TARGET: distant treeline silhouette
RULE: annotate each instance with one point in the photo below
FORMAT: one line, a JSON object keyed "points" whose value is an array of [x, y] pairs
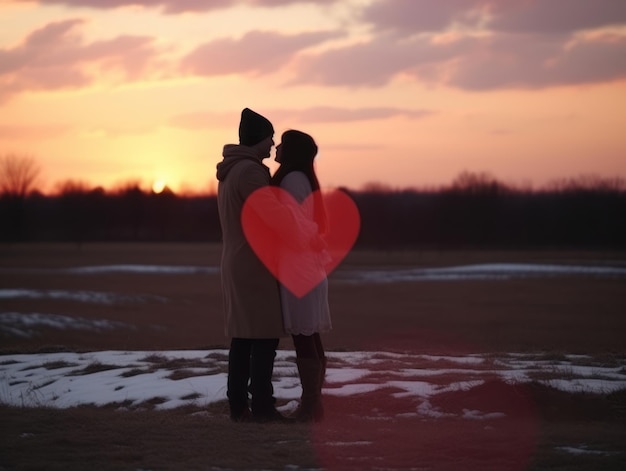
{"points": [[475, 211]]}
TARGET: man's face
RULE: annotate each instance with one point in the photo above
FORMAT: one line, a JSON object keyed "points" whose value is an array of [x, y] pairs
{"points": [[264, 147]]}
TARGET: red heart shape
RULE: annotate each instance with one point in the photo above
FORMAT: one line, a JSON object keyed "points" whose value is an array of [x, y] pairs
{"points": [[284, 247]]}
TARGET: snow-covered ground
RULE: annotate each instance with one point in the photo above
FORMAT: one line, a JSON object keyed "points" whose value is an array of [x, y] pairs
{"points": [[418, 383], [170, 379], [485, 271], [125, 268], [176, 378]]}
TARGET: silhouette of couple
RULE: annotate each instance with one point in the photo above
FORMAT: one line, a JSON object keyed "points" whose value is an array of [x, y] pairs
{"points": [[258, 308]]}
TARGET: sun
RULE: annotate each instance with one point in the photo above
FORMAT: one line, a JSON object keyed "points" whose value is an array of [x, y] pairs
{"points": [[158, 186]]}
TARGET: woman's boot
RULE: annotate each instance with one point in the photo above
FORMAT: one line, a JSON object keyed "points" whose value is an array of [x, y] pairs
{"points": [[320, 406], [310, 409]]}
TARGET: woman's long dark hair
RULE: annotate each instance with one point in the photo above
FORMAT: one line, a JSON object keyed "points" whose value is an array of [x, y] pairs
{"points": [[298, 150]]}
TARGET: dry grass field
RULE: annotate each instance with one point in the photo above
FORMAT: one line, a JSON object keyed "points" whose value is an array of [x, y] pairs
{"points": [[550, 315], [568, 313]]}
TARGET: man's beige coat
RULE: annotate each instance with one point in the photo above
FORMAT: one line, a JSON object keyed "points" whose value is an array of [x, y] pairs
{"points": [[251, 293]]}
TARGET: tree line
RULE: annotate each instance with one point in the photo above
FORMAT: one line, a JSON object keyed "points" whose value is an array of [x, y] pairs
{"points": [[475, 211]]}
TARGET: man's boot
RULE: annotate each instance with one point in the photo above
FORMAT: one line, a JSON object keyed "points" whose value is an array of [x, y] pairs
{"points": [[263, 402]]}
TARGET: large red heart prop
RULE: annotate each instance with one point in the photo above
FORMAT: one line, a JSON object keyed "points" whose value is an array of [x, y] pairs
{"points": [[280, 235]]}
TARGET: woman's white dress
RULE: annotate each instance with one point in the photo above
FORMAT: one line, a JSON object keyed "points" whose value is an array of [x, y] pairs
{"points": [[310, 313]]}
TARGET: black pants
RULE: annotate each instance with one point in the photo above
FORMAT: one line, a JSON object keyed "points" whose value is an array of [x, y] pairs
{"points": [[251, 360]]}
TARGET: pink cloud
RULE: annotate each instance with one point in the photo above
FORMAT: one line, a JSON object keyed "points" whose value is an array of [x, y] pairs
{"points": [[497, 61], [556, 16], [536, 16], [174, 6], [169, 6], [372, 63], [540, 63], [56, 57], [531, 44], [256, 52], [415, 16]]}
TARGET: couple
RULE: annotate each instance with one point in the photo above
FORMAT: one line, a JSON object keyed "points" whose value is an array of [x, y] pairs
{"points": [[258, 309]]}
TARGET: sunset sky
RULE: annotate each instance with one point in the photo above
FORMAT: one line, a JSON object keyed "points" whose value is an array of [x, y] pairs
{"points": [[407, 93]]}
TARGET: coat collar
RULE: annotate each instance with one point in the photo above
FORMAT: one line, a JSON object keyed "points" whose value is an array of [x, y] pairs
{"points": [[233, 154]]}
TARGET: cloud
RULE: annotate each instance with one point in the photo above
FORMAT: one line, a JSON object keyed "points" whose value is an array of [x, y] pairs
{"points": [[538, 63], [168, 6], [499, 44], [320, 114], [56, 57], [556, 16], [283, 3], [528, 16], [415, 16], [494, 61], [257, 52], [37, 46], [372, 63], [175, 6]]}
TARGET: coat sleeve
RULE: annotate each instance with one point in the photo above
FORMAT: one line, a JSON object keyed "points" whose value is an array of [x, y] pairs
{"points": [[274, 213], [297, 184]]}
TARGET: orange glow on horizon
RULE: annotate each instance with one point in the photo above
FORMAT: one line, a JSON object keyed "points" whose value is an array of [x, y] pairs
{"points": [[158, 186], [144, 95]]}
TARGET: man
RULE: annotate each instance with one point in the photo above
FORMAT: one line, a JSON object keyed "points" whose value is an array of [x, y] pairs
{"points": [[251, 294]]}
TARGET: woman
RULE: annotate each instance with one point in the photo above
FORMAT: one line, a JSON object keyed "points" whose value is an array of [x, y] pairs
{"points": [[305, 317]]}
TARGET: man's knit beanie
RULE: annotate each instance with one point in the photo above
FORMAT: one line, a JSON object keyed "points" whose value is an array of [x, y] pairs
{"points": [[253, 128]]}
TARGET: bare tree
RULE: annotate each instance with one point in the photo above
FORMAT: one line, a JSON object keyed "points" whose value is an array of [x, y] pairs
{"points": [[18, 174], [481, 183]]}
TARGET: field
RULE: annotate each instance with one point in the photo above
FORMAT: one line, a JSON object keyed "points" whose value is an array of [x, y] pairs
{"points": [[556, 308]]}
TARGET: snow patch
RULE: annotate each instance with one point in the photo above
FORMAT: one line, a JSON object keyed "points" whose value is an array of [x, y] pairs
{"points": [[94, 297], [486, 271], [131, 379], [26, 325]]}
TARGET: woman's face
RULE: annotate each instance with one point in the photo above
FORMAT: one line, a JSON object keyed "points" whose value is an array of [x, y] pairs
{"points": [[278, 153]]}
